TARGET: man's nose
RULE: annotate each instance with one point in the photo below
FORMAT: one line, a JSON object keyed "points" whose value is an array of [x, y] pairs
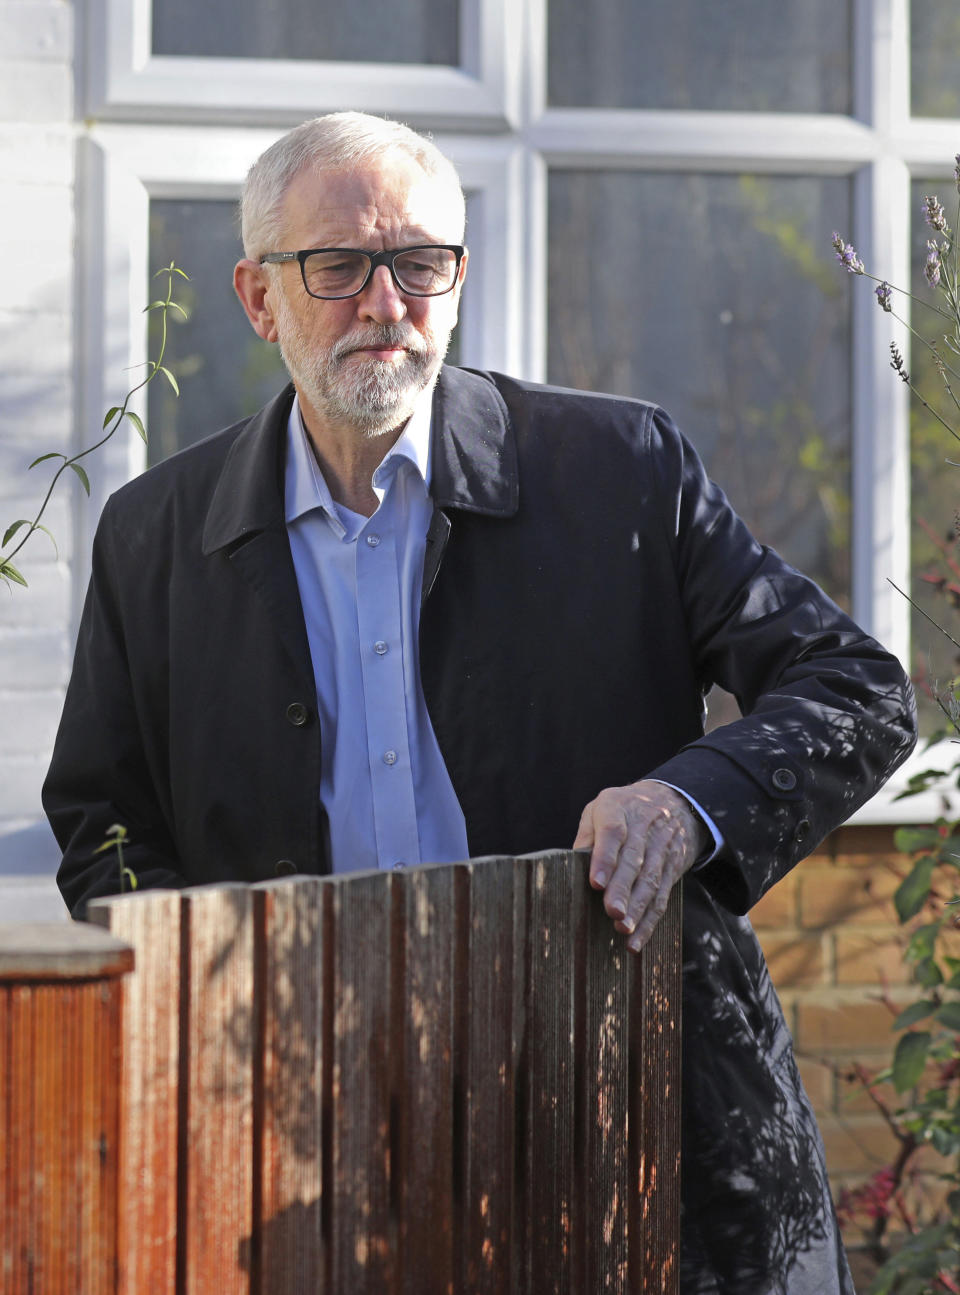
{"points": [[381, 300]]}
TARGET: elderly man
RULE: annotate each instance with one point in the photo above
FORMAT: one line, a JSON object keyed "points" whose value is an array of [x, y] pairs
{"points": [[410, 613]]}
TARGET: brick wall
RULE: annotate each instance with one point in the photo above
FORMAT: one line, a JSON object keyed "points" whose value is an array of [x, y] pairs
{"points": [[833, 944], [36, 389]]}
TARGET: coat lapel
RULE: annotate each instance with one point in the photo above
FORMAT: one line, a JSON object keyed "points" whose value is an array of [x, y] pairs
{"points": [[246, 521]]}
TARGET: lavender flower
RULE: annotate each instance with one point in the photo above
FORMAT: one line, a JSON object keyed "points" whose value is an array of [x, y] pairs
{"points": [[846, 255], [931, 271], [883, 296], [934, 214], [956, 171], [896, 362]]}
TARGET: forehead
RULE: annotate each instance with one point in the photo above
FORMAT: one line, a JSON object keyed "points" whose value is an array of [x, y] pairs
{"points": [[383, 203]]}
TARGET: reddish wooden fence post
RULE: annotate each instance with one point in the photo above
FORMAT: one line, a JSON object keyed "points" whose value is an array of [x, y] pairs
{"points": [[60, 1004], [448, 1080]]}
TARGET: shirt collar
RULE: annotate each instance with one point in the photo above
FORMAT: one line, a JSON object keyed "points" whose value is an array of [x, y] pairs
{"points": [[305, 487]]}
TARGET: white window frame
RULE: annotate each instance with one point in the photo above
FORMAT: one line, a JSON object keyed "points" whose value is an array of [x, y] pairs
{"points": [[491, 116]]}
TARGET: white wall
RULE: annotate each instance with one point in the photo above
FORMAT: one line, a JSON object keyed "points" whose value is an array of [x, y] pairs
{"points": [[36, 402]]}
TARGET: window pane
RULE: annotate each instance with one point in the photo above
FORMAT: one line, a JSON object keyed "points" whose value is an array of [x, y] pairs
{"points": [[377, 31], [935, 483], [225, 372], [793, 56], [935, 58], [715, 296]]}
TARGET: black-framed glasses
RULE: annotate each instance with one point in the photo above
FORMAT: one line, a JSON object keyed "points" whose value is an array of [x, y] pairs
{"points": [[332, 273]]}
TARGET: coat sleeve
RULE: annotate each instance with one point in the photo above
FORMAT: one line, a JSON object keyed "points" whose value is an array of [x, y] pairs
{"points": [[828, 714], [102, 772]]}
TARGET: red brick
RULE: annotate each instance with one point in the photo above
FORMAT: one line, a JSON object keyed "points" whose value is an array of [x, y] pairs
{"points": [[858, 1144], [777, 908], [842, 1026], [818, 1080], [829, 898], [871, 959], [793, 959]]}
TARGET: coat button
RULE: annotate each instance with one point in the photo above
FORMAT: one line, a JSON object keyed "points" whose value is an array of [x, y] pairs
{"points": [[297, 714], [784, 779], [285, 868]]}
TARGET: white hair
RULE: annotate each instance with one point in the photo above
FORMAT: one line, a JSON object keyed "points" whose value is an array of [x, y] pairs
{"points": [[331, 143]]}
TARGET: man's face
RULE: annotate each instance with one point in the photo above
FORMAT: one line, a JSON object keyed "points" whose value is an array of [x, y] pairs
{"points": [[362, 362]]}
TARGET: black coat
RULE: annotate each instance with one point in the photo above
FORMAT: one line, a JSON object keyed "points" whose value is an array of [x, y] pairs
{"points": [[584, 586]]}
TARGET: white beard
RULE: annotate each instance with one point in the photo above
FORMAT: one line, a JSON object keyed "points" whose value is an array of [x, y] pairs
{"points": [[371, 396]]}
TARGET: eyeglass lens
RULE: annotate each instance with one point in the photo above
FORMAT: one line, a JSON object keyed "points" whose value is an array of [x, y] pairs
{"points": [[423, 272]]}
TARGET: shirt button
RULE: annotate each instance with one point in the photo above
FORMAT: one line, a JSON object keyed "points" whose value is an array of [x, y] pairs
{"points": [[389, 757], [297, 714], [285, 868], [380, 648], [373, 540], [784, 779], [399, 864]]}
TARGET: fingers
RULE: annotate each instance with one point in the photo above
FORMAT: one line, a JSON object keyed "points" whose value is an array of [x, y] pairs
{"points": [[642, 839]]}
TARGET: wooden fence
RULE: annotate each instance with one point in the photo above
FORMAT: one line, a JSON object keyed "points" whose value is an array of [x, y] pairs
{"points": [[444, 1079]]}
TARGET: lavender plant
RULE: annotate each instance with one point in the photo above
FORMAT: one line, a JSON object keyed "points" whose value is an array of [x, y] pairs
{"points": [[925, 1068], [112, 421]]}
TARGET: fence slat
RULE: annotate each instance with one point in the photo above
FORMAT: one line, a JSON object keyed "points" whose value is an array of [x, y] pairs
{"points": [[290, 969], [484, 1066], [216, 1145], [603, 1050], [654, 1093], [423, 1078], [362, 1226], [552, 1179], [147, 1244]]}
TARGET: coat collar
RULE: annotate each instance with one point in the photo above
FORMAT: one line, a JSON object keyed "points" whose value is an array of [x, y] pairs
{"points": [[473, 460]]}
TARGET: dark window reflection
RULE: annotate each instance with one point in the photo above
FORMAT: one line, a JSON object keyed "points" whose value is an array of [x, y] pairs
{"points": [[935, 58], [792, 56], [935, 482], [374, 31], [716, 297]]}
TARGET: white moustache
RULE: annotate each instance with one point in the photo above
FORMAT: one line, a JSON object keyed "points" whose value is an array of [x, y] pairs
{"points": [[381, 337]]}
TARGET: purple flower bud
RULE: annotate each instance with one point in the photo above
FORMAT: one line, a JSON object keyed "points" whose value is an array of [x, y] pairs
{"points": [[934, 214], [883, 296], [846, 255], [956, 171]]}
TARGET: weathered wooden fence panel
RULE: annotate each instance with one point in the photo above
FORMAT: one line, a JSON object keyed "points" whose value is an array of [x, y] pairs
{"points": [[450, 1079], [60, 1038]]}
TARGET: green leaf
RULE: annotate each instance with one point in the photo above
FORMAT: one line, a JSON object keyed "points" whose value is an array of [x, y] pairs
{"points": [[915, 1012], [910, 1059], [175, 305], [170, 378], [131, 877], [155, 305], [138, 424], [11, 531], [38, 526], [912, 893], [922, 942], [84, 479], [927, 973], [10, 573], [43, 458], [949, 1015], [910, 839], [111, 414]]}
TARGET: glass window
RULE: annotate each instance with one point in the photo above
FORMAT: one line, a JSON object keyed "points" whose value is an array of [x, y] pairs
{"points": [[715, 296], [934, 48], [935, 482], [743, 55], [377, 31], [225, 372]]}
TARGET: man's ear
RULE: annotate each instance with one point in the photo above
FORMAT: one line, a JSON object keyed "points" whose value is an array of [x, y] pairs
{"points": [[252, 283], [461, 275]]}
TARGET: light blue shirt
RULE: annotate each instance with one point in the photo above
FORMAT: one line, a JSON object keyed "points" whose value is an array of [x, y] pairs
{"points": [[383, 781]]}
